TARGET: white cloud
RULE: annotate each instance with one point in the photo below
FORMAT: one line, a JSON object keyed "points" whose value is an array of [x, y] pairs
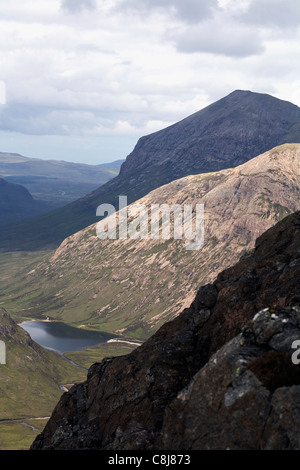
{"points": [[2, 92], [269, 13], [188, 10], [74, 6], [217, 37], [126, 128], [123, 68]]}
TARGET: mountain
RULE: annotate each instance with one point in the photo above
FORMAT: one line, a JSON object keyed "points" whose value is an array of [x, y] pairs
{"points": [[56, 182], [16, 203], [133, 286], [30, 382], [229, 132], [220, 376], [223, 135]]}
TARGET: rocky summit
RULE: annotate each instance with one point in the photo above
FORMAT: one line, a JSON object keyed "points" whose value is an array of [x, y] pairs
{"points": [[227, 133], [222, 375]]}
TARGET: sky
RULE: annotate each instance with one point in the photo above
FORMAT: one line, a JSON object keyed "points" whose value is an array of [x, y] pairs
{"points": [[83, 80]]}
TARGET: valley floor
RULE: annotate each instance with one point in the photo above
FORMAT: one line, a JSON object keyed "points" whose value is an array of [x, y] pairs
{"points": [[18, 434]]}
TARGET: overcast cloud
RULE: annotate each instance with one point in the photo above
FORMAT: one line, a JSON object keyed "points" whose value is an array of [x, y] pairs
{"points": [[269, 13], [84, 79], [189, 10], [74, 6]]}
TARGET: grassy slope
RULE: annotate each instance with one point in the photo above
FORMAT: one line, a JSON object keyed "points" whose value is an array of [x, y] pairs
{"points": [[19, 435], [29, 395], [29, 390], [30, 380]]}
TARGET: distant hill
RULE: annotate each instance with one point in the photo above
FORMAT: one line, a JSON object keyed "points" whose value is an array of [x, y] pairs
{"points": [[131, 287], [55, 182], [16, 203], [112, 166], [227, 133]]}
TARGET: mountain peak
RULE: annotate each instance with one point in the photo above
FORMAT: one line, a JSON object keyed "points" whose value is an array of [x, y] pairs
{"points": [[225, 134], [241, 93], [262, 97]]}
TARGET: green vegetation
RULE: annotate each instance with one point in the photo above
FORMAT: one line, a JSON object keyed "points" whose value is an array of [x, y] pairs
{"points": [[281, 211], [269, 206], [30, 381], [19, 434], [89, 356], [31, 371], [33, 379], [30, 384]]}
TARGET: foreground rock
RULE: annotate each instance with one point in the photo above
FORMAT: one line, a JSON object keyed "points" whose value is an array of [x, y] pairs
{"points": [[220, 376], [247, 396]]}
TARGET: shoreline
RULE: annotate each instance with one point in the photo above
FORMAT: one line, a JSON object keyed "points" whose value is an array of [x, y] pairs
{"points": [[47, 320], [113, 338], [137, 343]]}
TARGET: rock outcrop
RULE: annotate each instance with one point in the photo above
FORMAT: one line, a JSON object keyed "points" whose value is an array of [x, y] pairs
{"points": [[219, 376], [248, 394]]}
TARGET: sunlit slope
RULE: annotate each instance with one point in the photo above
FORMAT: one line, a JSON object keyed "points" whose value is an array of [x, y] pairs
{"points": [[133, 286]]}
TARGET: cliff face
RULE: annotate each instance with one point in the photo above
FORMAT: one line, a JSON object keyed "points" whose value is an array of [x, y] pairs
{"points": [[219, 376]]}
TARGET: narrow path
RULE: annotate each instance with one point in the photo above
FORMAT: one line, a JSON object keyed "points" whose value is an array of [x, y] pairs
{"points": [[9, 420], [72, 362], [135, 343]]}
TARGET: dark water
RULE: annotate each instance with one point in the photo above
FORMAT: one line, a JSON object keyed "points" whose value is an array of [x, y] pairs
{"points": [[60, 337]]}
